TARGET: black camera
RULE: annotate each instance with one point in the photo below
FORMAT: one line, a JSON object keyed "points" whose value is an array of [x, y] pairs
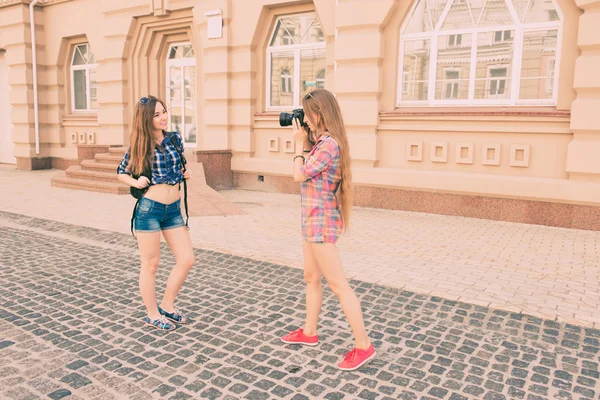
{"points": [[285, 119]]}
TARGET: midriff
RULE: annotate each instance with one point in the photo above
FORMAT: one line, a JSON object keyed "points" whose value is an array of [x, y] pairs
{"points": [[163, 193]]}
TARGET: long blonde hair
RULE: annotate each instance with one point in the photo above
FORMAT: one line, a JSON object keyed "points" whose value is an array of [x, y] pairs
{"points": [[141, 147], [324, 105]]}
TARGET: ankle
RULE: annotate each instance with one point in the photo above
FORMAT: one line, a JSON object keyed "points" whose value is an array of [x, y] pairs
{"points": [[362, 345], [167, 307], [310, 332], [154, 315]]}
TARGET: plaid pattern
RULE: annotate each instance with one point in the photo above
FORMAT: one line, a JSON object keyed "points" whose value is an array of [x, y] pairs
{"points": [[165, 168], [321, 216], [176, 316]]}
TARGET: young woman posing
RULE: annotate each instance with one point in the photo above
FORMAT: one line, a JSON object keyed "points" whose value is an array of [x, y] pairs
{"points": [[152, 153]]}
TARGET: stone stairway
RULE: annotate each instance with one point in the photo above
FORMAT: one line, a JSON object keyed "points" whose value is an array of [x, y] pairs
{"points": [[97, 175]]}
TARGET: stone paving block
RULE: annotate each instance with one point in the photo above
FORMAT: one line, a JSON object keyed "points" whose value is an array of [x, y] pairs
{"points": [[59, 394], [6, 343], [18, 393]]}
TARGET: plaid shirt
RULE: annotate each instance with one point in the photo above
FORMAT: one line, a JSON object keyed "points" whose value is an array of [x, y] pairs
{"points": [[321, 216], [165, 167]]}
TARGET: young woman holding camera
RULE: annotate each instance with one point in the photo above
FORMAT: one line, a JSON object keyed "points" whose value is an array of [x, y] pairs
{"points": [[153, 153], [325, 178]]}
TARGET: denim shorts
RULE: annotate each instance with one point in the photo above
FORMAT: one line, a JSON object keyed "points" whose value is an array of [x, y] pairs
{"points": [[152, 216]]}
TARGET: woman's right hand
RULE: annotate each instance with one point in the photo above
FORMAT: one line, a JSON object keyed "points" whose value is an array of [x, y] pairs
{"points": [[142, 182], [299, 133]]}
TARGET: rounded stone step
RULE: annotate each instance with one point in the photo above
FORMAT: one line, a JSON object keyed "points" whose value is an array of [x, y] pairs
{"points": [[108, 158], [92, 165], [62, 180], [75, 171]]}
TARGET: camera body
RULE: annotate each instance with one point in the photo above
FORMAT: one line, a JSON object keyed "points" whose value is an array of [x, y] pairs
{"points": [[285, 119]]}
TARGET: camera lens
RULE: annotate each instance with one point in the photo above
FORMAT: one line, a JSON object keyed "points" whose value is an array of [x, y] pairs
{"points": [[285, 119]]}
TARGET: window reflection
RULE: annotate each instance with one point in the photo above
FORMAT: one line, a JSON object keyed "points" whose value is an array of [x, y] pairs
{"points": [[478, 44]]}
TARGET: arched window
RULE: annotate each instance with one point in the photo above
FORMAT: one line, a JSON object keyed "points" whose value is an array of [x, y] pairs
{"points": [[295, 54], [480, 52], [83, 79]]}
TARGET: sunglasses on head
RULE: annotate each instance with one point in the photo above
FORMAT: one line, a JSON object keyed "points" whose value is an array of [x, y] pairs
{"points": [[315, 100]]}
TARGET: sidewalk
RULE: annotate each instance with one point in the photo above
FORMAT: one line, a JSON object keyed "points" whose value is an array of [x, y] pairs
{"points": [[71, 327], [544, 271]]}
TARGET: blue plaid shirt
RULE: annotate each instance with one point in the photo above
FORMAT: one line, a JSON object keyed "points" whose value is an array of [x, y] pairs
{"points": [[165, 167]]}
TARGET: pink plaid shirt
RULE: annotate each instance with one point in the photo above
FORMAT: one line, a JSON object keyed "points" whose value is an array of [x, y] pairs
{"points": [[321, 216]]}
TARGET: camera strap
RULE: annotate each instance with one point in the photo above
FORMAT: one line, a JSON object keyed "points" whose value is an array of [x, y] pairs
{"points": [[183, 162]]}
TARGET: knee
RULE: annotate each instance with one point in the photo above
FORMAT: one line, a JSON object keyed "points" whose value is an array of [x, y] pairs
{"points": [[338, 287], [312, 278], [186, 261], [150, 264]]}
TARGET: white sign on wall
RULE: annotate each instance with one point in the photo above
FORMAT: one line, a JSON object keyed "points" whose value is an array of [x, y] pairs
{"points": [[215, 24]]}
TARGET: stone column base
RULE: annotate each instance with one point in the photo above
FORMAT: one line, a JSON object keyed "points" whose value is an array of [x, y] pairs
{"points": [[35, 163], [88, 151], [217, 168]]}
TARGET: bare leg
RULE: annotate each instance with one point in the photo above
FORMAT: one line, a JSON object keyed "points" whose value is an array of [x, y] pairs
{"points": [[314, 290], [181, 246], [328, 259], [149, 246]]}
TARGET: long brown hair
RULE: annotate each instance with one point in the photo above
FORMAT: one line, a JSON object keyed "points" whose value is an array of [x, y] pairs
{"points": [[141, 147], [324, 105]]}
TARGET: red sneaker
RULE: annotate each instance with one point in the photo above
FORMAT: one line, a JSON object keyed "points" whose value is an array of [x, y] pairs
{"points": [[298, 337], [356, 358]]}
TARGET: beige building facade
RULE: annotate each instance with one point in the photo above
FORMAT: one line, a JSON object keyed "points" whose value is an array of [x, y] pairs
{"points": [[481, 108]]}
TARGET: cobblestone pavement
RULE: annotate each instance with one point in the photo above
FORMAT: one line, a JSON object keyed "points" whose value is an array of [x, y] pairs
{"points": [[70, 327], [544, 271]]}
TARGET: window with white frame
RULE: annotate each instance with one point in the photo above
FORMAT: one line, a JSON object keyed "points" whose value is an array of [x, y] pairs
{"points": [[295, 60], [498, 50], [502, 36], [451, 83], [83, 79], [496, 81], [454, 40], [286, 82]]}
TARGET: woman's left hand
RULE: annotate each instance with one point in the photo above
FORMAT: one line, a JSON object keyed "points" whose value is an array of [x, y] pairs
{"points": [[299, 131], [187, 174]]}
